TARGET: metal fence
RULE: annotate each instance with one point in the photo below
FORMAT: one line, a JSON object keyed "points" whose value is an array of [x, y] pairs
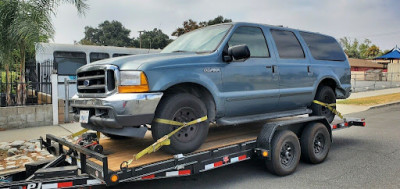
{"points": [[37, 91], [374, 81]]}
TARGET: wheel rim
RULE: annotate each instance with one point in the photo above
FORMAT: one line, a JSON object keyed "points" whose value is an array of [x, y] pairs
{"points": [[319, 143], [287, 154], [185, 114]]}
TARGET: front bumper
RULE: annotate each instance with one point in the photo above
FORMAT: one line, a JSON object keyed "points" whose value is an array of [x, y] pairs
{"points": [[119, 114]]}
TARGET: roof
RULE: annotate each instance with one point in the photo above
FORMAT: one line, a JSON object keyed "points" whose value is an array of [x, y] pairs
{"points": [[394, 54], [354, 62]]}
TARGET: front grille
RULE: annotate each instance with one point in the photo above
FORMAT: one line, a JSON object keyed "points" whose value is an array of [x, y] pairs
{"points": [[95, 81]]}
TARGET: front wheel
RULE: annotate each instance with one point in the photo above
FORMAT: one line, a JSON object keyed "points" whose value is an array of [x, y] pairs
{"points": [[181, 107], [326, 95], [285, 153]]}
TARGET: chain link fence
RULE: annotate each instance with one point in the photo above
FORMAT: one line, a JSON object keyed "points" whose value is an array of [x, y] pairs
{"points": [[374, 80]]}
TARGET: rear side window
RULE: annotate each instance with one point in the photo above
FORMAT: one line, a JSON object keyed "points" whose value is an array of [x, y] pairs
{"points": [[287, 44], [323, 47], [253, 37]]}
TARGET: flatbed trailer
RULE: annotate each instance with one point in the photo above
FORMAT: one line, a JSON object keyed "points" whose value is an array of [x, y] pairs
{"points": [[76, 166]]}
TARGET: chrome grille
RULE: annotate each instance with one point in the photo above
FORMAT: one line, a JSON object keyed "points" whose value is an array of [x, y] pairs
{"points": [[96, 80]]}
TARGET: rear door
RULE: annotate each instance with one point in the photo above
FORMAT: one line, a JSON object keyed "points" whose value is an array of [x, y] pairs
{"points": [[250, 87], [295, 76]]}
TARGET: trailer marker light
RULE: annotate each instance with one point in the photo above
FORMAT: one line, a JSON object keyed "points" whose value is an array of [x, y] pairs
{"points": [[334, 127], [346, 124], [114, 178], [265, 154], [364, 124]]}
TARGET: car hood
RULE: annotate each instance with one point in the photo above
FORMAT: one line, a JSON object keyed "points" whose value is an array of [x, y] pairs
{"points": [[139, 62]]}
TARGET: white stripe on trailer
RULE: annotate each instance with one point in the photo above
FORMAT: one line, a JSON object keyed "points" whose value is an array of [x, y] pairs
{"points": [[93, 182], [209, 166], [235, 159], [172, 174], [48, 186]]}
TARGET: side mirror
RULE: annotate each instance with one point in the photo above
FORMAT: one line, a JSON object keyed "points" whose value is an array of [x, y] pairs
{"points": [[237, 52]]}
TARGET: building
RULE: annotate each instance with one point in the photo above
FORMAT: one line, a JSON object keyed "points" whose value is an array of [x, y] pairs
{"points": [[362, 65]]}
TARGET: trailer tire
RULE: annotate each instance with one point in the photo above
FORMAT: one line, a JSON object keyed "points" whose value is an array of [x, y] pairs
{"points": [[324, 94], [315, 143], [181, 107], [285, 153]]}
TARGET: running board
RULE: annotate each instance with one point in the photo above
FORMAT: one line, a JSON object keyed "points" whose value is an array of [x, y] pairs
{"points": [[261, 117]]}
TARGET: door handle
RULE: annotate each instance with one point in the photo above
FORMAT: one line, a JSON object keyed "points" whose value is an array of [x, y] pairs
{"points": [[309, 69], [273, 68]]}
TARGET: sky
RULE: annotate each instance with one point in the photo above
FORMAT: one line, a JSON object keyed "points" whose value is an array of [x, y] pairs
{"points": [[377, 20]]}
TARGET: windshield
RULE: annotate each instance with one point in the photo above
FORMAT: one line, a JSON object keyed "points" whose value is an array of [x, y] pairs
{"points": [[201, 40]]}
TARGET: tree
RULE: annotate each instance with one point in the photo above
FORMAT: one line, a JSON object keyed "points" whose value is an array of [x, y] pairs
{"points": [[23, 23], [107, 34], [155, 39], [350, 47], [354, 49], [372, 51], [190, 25]]}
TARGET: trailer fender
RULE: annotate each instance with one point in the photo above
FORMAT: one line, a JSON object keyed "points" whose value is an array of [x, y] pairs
{"points": [[297, 125]]}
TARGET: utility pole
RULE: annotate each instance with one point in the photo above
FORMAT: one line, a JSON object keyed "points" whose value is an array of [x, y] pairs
{"points": [[140, 38]]}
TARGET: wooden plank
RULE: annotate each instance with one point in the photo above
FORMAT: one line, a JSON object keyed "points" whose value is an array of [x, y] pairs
{"points": [[118, 151]]}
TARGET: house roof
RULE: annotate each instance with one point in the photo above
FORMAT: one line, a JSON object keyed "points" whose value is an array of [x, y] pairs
{"points": [[393, 54], [354, 62]]}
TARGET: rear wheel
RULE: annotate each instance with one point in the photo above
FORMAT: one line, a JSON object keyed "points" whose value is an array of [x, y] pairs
{"points": [[324, 94], [315, 143], [285, 153], [182, 108]]}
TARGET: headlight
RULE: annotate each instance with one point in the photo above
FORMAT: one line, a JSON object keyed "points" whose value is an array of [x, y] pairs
{"points": [[133, 82]]}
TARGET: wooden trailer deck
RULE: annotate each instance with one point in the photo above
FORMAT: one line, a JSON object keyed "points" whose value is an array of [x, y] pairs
{"points": [[118, 151]]}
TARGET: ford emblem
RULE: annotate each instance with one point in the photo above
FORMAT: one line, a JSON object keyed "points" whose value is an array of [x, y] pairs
{"points": [[86, 83]]}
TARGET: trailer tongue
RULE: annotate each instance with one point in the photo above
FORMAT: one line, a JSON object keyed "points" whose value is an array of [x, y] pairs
{"points": [[77, 166]]}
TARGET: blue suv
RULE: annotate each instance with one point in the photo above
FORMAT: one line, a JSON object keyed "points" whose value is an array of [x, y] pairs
{"points": [[234, 73]]}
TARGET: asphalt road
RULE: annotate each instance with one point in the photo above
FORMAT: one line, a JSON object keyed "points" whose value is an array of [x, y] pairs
{"points": [[359, 158]]}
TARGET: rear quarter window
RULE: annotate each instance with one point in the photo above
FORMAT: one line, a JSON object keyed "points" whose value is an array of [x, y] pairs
{"points": [[287, 44], [323, 47]]}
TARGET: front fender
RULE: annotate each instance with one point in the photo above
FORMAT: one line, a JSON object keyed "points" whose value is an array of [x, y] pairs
{"points": [[161, 80]]}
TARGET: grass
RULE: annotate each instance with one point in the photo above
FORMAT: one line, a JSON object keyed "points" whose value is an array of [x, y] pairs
{"points": [[373, 100]]}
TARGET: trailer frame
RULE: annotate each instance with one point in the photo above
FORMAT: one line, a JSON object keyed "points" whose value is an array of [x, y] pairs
{"points": [[72, 167]]}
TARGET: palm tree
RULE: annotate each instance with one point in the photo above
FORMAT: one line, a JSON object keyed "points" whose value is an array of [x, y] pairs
{"points": [[24, 23]]}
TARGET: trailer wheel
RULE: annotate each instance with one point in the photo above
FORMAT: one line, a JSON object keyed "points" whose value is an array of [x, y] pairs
{"points": [[285, 153], [181, 107], [324, 94], [315, 143]]}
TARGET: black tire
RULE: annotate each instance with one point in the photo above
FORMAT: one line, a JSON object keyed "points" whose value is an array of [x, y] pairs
{"points": [[285, 153], [315, 143], [327, 95], [115, 137], [181, 107]]}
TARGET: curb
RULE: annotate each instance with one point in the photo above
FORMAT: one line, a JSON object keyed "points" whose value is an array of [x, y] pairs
{"points": [[384, 105]]}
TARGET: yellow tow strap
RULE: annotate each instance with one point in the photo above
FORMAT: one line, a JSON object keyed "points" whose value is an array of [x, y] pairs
{"points": [[84, 131], [79, 133], [164, 141], [330, 107]]}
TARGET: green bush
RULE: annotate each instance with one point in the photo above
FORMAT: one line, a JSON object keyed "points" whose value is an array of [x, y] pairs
{"points": [[3, 80]]}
